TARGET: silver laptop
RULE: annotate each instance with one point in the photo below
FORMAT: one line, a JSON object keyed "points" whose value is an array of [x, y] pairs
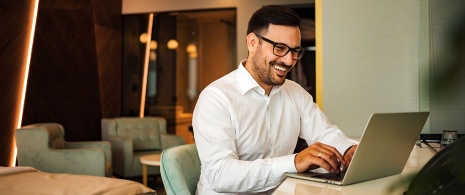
{"points": [[384, 149]]}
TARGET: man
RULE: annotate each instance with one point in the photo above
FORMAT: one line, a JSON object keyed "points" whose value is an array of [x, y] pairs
{"points": [[246, 124]]}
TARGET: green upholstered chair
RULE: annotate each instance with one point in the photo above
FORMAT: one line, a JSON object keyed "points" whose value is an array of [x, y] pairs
{"points": [[43, 147], [180, 169], [133, 137]]}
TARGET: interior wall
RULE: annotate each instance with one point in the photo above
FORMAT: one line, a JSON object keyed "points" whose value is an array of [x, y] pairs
{"points": [[167, 59], [75, 72], [447, 72], [132, 63], [215, 67], [15, 29], [108, 35], [370, 59], [187, 32]]}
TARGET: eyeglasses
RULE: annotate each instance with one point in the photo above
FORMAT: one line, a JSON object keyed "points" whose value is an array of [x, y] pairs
{"points": [[281, 49]]}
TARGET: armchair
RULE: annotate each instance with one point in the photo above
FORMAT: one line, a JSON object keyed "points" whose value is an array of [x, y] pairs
{"points": [[43, 147], [180, 169], [133, 137]]}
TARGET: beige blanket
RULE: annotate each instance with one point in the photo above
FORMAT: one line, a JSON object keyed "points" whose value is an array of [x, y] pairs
{"points": [[27, 180]]}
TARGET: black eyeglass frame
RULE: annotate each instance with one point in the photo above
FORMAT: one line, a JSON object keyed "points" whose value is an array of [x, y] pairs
{"points": [[290, 49]]}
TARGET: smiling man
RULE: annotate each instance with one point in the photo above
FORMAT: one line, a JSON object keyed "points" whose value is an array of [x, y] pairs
{"points": [[247, 123]]}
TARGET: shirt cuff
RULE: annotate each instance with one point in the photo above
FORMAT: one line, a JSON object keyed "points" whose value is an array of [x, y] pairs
{"points": [[343, 146], [283, 164]]}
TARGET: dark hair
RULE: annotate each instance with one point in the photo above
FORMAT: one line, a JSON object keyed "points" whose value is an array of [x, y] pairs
{"points": [[272, 14]]}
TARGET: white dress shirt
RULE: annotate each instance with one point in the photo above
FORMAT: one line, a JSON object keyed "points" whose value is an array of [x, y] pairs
{"points": [[246, 138]]}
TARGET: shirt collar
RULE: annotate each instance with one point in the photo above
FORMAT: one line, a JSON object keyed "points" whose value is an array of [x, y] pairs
{"points": [[247, 82]]}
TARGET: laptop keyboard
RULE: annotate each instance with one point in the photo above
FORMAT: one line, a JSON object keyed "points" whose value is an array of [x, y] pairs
{"points": [[332, 176]]}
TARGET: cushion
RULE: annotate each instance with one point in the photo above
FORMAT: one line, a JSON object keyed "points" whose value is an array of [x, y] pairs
{"points": [[145, 132], [56, 135]]}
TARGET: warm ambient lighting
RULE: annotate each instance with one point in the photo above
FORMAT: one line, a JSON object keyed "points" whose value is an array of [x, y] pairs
{"points": [[143, 38], [26, 75], [153, 45], [192, 50], [193, 55], [172, 44], [146, 67]]}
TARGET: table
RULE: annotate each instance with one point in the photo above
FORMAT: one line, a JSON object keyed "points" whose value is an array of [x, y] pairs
{"points": [[395, 184], [150, 160]]}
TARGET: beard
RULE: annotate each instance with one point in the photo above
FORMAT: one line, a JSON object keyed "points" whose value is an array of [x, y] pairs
{"points": [[265, 71]]}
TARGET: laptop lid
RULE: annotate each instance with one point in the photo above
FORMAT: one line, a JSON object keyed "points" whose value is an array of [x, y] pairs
{"points": [[383, 150]]}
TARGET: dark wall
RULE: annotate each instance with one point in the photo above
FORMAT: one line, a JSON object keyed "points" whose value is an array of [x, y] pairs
{"points": [[108, 35], [75, 72], [133, 55], [15, 22], [166, 59]]}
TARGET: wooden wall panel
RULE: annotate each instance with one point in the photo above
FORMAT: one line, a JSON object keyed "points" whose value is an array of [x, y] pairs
{"points": [[75, 66], [16, 19], [107, 17], [63, 83]]}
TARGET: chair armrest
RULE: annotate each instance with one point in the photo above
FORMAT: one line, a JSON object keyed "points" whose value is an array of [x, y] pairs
{"points": [[169, 140], [85, 161], [105, 145], [122, 154]]}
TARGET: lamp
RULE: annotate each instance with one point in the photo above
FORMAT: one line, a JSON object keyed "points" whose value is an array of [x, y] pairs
{"points": [[192, 70], [192, 50], [153, 45], [172, 44], [143, 38]]}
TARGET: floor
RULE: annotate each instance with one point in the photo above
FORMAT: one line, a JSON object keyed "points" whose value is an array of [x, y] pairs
{"points": [[153, 182], [157, 184]]}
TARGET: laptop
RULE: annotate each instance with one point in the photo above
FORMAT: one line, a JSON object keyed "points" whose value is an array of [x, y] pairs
{"points": [[384, 149]]}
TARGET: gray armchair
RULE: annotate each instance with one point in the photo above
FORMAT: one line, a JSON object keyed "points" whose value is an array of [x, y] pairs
{"points": [[133, 137], [43, 147]]}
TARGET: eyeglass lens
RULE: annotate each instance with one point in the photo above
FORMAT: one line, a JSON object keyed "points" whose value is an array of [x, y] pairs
{"points": [[282, 50]]}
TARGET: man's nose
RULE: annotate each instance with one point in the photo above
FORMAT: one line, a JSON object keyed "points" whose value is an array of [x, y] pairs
{"points": [[287, 59]]}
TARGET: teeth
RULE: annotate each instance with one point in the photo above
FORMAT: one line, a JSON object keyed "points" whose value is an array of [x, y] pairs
{"points": [[280, 68]]}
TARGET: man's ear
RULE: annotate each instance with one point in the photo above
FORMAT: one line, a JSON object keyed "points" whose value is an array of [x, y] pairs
{"points": [[252, 42]]}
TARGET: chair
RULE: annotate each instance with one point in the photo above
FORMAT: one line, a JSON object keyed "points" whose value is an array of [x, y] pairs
{"points": [[443, 173], [133, 137], [43, 147], [180, 169]]}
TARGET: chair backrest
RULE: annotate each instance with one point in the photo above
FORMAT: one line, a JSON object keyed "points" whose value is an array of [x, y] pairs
{"points": [[43, 135], [144, 132], [56, 134], [180, 169]]}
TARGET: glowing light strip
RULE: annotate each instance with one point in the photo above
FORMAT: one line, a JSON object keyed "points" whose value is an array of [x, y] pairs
{"points": [[146, 66], [319, 52], [26, 75]]}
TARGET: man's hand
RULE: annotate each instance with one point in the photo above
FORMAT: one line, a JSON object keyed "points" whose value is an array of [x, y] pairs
{"points": [[319, 155], [349, 154]]}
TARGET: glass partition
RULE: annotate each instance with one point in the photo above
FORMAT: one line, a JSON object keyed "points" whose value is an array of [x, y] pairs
{"points": [[169, 57], [442, 67]]}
